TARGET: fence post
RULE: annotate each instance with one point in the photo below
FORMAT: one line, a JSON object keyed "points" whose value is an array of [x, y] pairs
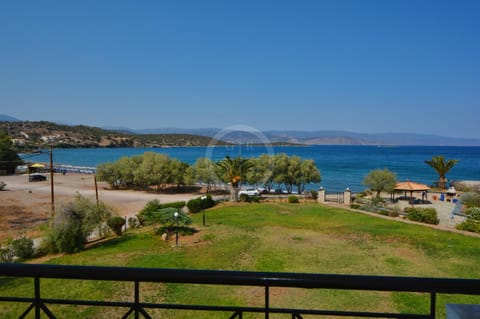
{"points": [[321, 195], [347, 196]]}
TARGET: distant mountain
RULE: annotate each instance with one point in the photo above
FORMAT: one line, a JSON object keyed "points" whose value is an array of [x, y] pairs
{"points": [[8, 118], [352, 138], [210, 132], [33, 135], [327, 137], [319, 137]]}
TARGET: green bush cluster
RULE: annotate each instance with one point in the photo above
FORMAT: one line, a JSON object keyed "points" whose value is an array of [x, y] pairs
{"points": [[472, 223], [473, 212], [147, 215], [197, 204], [292, 199], [23, 247], [423, 215], [470, 199], [6, 254], [116, 224], [249, 199], [73, 223], [2, 185], [178, 205], [133, 222]]}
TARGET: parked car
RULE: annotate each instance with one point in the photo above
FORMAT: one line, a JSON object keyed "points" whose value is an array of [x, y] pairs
{"points": [[249, 192], [37, 178], [278, 191]]}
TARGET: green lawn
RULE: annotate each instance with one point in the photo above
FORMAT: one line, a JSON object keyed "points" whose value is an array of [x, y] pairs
{"points": [[271, 237]]}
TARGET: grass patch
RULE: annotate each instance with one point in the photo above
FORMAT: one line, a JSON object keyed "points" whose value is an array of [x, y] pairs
{"points": [[272, 237]]}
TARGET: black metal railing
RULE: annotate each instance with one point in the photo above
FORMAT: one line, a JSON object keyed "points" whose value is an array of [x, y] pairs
{"points": [[266, 280]]}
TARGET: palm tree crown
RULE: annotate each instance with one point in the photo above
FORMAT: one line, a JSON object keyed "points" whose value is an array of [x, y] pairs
{"points": [[442, 167], [233, 171]]}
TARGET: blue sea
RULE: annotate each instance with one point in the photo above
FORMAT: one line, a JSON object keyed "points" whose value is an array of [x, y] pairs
{"points": [[340, 166]]}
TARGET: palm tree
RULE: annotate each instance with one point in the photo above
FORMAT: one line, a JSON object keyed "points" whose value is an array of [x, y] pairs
{"points": [[442, 167], [233, 171]]}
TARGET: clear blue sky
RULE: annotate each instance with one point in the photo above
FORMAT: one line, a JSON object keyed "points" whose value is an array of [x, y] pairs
{"points": [[363, 66]]}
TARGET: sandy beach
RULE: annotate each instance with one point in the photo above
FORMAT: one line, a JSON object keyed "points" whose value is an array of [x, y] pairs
{"points": [[26, 205]]}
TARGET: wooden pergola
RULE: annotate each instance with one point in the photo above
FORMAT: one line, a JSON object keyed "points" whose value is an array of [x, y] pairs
{"points": [[411, 187]]}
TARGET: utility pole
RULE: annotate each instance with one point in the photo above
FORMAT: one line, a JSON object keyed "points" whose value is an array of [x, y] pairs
{"points": [[52, 193], [96, 188]]}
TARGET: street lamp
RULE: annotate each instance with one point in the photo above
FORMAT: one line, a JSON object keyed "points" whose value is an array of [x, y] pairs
{"points": [[203, 198], [176, 233]]}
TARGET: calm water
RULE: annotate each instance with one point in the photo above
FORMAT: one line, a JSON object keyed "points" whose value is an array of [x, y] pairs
{"points": [[340, 166]]}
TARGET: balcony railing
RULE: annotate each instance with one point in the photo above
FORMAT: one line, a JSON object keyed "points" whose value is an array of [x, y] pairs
{"points": [[265, 280]]}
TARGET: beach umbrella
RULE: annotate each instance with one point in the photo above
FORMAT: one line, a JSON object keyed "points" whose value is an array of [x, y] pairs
{"points": [[35, 167]]}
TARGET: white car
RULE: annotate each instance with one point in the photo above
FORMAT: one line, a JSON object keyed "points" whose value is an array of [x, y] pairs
{"points": [[248, 192]]}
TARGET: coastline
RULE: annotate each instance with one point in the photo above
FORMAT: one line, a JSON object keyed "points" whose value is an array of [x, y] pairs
{"points": [[340, 166]]}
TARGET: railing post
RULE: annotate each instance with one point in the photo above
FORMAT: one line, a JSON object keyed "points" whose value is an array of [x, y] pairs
{"points": [[37, 297], [433, 305], [236, 314], [267, 302], [137, 300]]}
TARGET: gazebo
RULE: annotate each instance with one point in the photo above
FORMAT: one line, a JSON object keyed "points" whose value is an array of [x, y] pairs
{"points": [[411, 187]]}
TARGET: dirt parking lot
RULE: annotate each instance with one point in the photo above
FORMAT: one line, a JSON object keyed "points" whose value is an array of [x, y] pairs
{"points": [[25, 206]]}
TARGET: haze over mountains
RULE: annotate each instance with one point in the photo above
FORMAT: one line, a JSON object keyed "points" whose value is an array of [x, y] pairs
{"points": [[319, 137]]}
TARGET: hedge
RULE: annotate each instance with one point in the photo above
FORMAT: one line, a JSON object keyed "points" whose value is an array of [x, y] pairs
{"points": [[423, 215]]}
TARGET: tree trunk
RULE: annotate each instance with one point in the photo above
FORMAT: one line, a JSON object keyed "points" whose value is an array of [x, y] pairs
{"points": [[234, 194], [442, 181]]}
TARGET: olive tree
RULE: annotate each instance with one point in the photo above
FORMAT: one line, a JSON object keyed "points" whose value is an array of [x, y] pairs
{"points": [[204, 172], [9, 158], [261, 172], [380, 180], [74, 222]]}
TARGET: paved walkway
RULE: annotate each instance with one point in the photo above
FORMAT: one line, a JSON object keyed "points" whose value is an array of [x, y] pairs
{"points": [[444, 211]]}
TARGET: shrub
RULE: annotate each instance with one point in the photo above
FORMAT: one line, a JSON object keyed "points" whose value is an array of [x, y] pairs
{"points": [[6, 254], [423, 215], [66, 236], [393, 213], [473, 213], [2, 185], [23, 247], [116, 223], [178, 205], [73, 224], [133, 222], [470, 199], [376, 201], [194, 205], [311, 194], [146, 214], [382, 211], [469, 225], [249, 199], [292, 199], [355, 206], [197, 204]]}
